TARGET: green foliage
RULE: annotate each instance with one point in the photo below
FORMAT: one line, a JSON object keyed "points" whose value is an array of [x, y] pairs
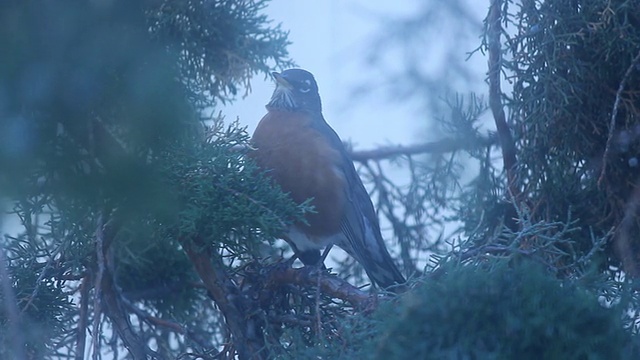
{"points": [[221, 44], [575, 153], [102, 139], [500, 310], [216, 194], [221, 196], [44, 304], [87, 96], [77, 75], [156, 271], [101, 130], [491, 309], [570, 62], [573, 113]]}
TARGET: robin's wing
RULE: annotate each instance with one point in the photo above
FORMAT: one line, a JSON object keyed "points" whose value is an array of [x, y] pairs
{"points": [[359, 223]]}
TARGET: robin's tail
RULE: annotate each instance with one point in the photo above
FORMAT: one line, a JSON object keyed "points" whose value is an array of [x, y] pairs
{"points": [[371, 252], [380, 267]]}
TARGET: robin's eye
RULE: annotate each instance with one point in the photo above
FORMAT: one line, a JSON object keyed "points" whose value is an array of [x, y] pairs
{"points": [[305, 86]]}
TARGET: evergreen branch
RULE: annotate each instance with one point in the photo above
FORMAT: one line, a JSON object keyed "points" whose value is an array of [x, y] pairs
{"points": [[509, 159], [120, 319], [597, 246], [71, 277], [547, 243], [624, 238], [83, 318], [156, 321], [97, 303], [11, 309], [160, 291], [42, 275], [254, 201], [291, 320], [495, 96], [330, 285], [248, 343], [105, 289], [614, 114]]}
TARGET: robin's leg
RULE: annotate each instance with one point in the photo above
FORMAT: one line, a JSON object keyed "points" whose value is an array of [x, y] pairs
{"points": [[326, 252], [310, 257]]}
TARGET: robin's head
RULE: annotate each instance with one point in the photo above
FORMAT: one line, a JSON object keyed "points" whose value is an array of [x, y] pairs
{"points": [[296, 90]]}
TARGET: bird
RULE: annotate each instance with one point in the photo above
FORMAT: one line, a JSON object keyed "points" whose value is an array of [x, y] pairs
{"points": [[298, 149]]}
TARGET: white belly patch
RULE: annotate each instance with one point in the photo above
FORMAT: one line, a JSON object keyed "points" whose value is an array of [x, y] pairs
{"points": [[304, 242]]}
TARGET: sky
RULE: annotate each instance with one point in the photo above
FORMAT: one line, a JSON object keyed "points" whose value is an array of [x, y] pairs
{"points": [[328, 38]]}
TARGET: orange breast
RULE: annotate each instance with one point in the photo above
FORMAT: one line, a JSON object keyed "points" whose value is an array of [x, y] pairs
{"points": [[303, 163]]}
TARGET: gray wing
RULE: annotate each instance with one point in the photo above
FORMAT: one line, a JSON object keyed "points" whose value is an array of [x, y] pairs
{"points": [[360, 224]]}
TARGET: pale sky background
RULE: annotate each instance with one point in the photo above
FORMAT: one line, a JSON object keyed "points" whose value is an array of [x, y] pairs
{"points": [[328, 38]]}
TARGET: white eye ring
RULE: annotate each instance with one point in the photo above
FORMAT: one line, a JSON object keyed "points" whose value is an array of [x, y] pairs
{"points": [[306, 86]]}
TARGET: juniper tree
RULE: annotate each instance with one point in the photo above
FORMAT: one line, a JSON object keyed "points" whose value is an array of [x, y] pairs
{"points": [[143, 226], [111, 169]]}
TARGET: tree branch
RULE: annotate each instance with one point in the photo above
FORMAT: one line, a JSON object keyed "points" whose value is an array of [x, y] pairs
{"points": [[495, 97], [625, 234], [16, 334], [106, 291], [97, 301], [83, 317], [248, 341], [435, 147], [328, 284], [156, 321], [614, 114], [387, 152], [120, 319]]}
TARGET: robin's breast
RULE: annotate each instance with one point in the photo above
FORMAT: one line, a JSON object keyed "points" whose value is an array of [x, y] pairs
{"points": [[301, 160]]}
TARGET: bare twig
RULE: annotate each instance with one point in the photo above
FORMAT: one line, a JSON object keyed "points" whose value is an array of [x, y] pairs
{"points": [[614, 114]]}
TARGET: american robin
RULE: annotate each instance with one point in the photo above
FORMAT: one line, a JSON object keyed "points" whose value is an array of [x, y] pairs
{"points": [[305, 156]]}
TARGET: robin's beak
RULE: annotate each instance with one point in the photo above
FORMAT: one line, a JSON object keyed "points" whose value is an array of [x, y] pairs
{"points": [[280, 80]]}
